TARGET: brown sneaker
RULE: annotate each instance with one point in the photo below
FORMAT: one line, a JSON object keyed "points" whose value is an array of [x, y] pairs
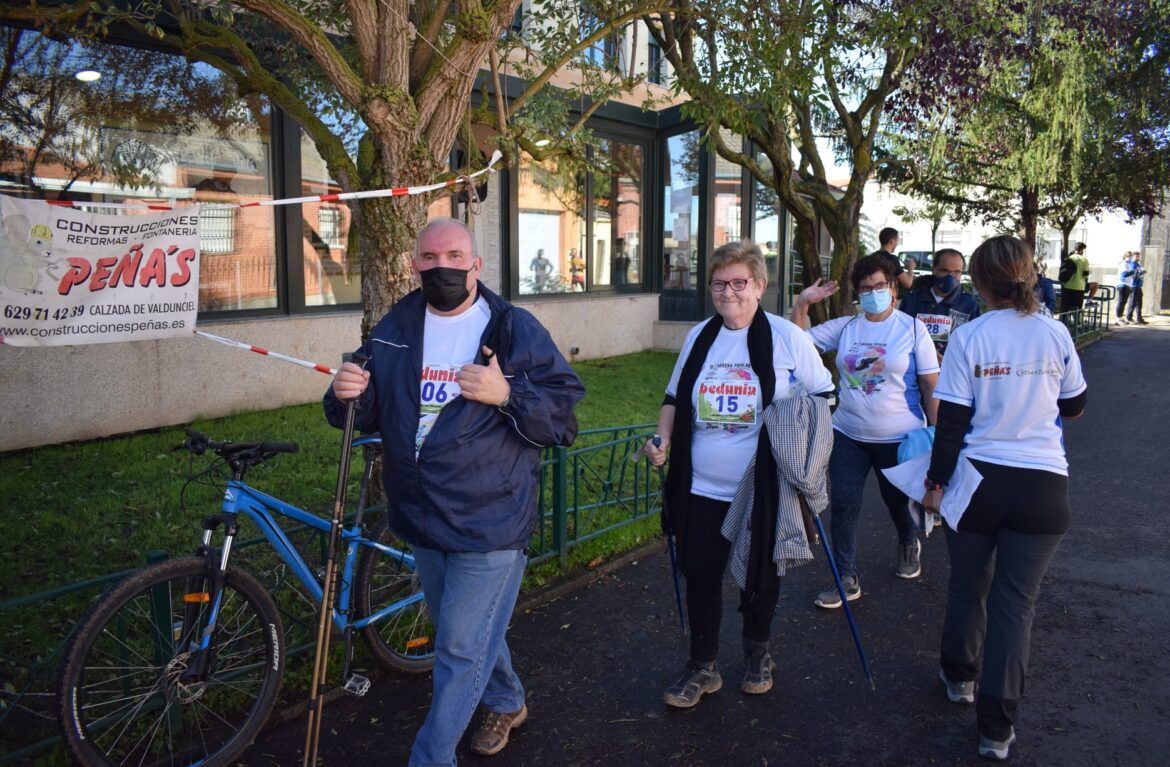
{"points": [[492, 735]]}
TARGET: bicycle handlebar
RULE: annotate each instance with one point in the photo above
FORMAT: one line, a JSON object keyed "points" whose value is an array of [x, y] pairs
{"points": [[199, 443]]}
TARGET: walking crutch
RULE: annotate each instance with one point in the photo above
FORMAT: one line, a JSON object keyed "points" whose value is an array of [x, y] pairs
{"points": [[840, 588], [321, 656], [674, 568]]}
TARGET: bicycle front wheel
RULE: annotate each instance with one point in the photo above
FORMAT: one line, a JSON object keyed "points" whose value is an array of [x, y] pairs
{"points": [[404, 639], [127, 696]]}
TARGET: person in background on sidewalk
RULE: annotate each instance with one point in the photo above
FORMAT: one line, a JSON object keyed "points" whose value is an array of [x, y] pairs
{"points": [[730, 367], [888, 239], [1072, 290], [1135, 298], [464, 485], [1008, 380], [1045, 291], [942, 306], [1125, 275], [888, 368]]}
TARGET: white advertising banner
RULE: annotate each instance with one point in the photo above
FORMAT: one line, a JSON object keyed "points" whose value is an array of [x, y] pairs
{"points": [[71, 277]]}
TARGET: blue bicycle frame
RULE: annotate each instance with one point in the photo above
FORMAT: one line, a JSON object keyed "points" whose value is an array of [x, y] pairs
{"points": [[240, 498]]}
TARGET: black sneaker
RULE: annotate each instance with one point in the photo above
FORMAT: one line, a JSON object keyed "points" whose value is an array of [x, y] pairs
{"points": [[909, 560], [696, 680], [757, 676], [830, 598]]}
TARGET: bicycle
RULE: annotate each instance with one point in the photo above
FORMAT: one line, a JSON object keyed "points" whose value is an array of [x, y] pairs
{"points": [[180, 663]]}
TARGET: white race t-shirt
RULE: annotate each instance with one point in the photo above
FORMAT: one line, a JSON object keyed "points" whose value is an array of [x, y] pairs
{"points": [[727, 399], [449, 343], [1012, 368], [879, 363]]}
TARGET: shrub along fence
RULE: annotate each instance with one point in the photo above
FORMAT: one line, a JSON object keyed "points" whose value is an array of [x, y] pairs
{"points": [[592, 489]]}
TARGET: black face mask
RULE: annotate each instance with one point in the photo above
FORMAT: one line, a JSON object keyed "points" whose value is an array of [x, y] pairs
{"points": [[444, 288]]}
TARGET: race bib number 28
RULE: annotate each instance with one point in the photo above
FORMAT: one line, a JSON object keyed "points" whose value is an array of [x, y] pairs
{"points": [[937, 325]]}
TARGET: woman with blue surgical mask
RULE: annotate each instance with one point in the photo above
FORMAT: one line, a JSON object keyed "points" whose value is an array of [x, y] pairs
{"points": [[888, 368]]}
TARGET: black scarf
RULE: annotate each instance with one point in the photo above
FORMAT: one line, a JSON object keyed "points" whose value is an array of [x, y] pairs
{"points": [[678, 478]]}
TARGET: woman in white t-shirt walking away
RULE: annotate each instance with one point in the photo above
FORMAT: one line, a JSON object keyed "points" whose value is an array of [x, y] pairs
{"points": [[1008, 380], [729, 369], [888, 368]]}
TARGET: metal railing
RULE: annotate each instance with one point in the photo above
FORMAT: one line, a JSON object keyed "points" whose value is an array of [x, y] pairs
{"points": [[586, 491], [1091, 318]]}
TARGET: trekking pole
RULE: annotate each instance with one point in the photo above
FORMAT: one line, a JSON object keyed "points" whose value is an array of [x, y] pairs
{"points": [[674, 568], [840, 590], [321, 655]]}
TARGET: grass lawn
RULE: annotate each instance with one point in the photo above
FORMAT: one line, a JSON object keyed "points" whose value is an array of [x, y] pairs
{"points": [[85, 509], [88, 509]]}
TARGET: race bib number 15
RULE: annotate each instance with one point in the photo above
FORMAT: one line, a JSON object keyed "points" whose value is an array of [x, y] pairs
{"points": [[728, 402]]}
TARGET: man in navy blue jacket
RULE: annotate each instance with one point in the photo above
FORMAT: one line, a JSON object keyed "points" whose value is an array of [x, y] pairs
{"points": [[941, 304], [466, 389]]}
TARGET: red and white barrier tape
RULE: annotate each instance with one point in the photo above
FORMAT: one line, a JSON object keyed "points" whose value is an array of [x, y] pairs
{"points": [[261, 350], [402, 191]]}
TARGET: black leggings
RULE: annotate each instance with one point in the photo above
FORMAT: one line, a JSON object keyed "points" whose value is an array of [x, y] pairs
{"points": [[1028, 501], [704, 560]]}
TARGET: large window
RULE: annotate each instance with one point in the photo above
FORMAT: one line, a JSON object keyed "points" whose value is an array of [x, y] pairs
{"points": [[728, 196], [680, 235], [153, 128], [581, 231], [331, 274]]}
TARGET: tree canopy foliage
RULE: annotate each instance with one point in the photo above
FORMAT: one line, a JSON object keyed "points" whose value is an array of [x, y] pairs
{"points": [[385, 88], [1070, 120]]}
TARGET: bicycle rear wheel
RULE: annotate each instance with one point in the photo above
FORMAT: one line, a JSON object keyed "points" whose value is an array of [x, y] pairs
{"points": [[404, 639], [123, 699]]}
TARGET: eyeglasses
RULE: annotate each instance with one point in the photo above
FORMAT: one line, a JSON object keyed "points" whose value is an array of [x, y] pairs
{"points": [[738, 284], [881, 287]]}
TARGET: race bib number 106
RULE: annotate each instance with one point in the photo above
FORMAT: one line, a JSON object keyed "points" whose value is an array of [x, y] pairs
{"points": [[438, 387]]}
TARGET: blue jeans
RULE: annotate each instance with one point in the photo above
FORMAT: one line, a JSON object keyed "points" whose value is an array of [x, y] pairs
{"points": [[849, 466], [470, 597]]}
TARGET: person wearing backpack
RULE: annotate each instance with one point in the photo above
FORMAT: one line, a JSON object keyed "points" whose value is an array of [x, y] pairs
{"points": [[1074, 278]]}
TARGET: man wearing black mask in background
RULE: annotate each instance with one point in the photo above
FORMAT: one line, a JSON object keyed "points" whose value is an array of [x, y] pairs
{"points": [[466, 390], [941, 303]]}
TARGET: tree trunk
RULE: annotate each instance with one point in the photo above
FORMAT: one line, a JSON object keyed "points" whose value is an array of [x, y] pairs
{"points": [[846, 234], [389, 228], [804, 242], [1029, 213]]}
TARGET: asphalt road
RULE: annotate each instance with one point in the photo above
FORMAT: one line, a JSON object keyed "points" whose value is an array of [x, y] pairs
{"points": [[595, 661]]}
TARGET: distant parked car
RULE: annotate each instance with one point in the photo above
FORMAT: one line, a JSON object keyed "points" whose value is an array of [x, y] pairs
{"points": [[921, 257]]}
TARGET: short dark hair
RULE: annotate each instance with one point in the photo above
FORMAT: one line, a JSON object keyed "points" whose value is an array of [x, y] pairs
{"points": [[872, 264], [887, 234], [948, 252]]}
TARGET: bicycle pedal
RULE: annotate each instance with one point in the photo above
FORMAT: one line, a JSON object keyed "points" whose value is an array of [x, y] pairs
{"points": [[357, 685]]}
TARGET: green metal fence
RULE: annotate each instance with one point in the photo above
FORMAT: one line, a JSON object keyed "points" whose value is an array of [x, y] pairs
{"points": [[597, 486], [1093, 317]]}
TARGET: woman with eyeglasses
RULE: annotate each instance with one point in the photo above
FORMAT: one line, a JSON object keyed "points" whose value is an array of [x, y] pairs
{"points": [[729, 369], [1009, 380], [888, 368]]}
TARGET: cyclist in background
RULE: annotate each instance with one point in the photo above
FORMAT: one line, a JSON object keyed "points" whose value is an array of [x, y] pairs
{"points": [[462, 486]]}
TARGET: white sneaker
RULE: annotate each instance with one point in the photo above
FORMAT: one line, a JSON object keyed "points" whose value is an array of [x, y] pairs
{"points": [[996, 749], [958, 692]]}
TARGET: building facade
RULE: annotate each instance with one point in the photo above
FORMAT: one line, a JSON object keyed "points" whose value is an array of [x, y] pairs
{"points": [[611, 262]]}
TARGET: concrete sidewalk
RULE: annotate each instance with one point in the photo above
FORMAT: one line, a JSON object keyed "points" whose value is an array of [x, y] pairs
{"points": [[596, 661]]}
